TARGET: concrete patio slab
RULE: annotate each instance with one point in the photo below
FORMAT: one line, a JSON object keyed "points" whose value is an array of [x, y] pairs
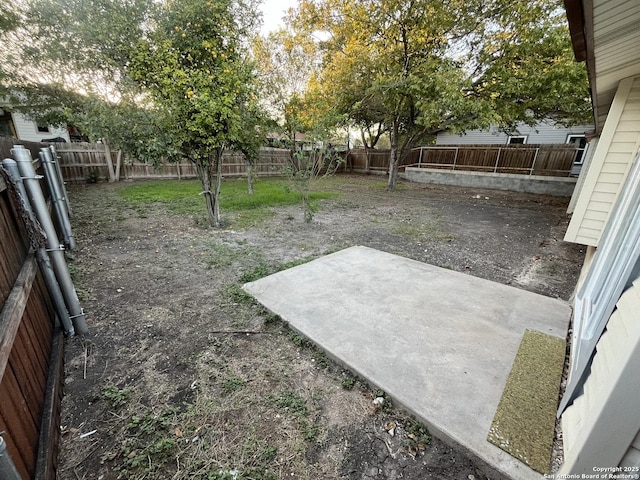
{"points": [[440, 343]]}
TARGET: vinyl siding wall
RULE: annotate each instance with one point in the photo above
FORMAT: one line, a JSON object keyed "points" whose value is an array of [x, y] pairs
{"points": [[27, 130], [615, 45], [607, 412], [544, 133], [612, 159]]}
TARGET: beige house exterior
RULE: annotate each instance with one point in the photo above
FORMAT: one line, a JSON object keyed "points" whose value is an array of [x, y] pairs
{"points": [[600, 410]]}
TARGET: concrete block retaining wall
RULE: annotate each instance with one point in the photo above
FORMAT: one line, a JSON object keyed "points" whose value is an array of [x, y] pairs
{"points": [[556, 186]]}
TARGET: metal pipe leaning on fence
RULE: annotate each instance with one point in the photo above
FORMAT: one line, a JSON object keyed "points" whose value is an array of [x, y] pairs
{"points": [[57, 197], [56, 160], [55, 250], [8, 470], [11, 167]]}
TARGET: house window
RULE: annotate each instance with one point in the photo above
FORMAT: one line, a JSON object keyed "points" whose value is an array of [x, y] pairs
{"points": [[580, 141], [517, 140], [7, 129], [43, 129]]}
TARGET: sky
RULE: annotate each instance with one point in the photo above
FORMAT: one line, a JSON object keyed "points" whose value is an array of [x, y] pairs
{"points": [[273, 11]]}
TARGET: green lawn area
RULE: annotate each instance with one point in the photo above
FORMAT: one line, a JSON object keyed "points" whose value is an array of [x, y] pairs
{"points": [[183, 196]]}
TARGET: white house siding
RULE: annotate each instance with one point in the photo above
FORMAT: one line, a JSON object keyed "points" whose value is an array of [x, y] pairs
{"points": [[608, 413], [616, 37], [27, 130], [544, 133], [614, 154]]}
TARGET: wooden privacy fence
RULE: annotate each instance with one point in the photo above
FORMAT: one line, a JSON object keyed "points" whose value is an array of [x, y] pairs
{"points": [[31, 344], [92, 161], [546, 160], [371, 161]]}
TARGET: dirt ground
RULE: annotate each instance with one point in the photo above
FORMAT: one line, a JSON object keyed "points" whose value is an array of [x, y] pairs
{"points": [[185, 376]]}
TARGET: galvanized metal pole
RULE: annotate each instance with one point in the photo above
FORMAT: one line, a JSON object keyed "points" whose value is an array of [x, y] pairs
{"points": [[41, 254], [56, 160], [495, 169], [56, 254], [8, 470], [57, 197], [533, 164]]}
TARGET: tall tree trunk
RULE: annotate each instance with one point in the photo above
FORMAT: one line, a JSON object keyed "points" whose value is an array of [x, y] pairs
{"points": [[394, 157], [216, 200], [249, 177], [209, 172]]}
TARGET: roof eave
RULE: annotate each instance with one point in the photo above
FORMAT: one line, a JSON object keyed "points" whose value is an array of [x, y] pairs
{"points": [[580, 18]]}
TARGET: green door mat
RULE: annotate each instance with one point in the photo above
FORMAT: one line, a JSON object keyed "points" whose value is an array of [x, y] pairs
{"points": [[524, 423]]}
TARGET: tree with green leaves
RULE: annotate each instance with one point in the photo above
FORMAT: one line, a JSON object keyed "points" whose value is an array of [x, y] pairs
{"points": [[522, 68], [383, 57], [69, 66], [195, 69], [416, 66], [161, 80], [285, 62]]}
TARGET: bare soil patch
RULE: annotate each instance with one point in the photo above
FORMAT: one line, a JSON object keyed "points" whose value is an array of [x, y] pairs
{"points": [[184, 376]]}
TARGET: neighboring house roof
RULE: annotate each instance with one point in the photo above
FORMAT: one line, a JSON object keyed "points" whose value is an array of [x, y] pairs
{"points": [[602, 33]]}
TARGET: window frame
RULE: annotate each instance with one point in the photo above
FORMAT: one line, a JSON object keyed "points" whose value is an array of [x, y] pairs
{"points": [[571, 136], [523, 137]]}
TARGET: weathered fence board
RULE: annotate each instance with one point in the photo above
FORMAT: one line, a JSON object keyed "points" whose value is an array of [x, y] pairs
{"points": [[547, 160], [87, 161]]}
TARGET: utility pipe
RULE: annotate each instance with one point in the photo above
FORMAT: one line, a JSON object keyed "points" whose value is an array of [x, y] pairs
{"points": [[41, 253], [8, 470], [56, 254], [57, 197], [56, 160]]}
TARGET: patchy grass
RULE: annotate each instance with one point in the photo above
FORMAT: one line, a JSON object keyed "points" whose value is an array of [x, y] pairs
{"points": [[223, 255], [432, 230], [182, 197], [263, 270], [116, 397]]}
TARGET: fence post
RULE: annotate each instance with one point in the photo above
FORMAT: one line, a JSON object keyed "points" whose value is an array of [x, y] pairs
{"points": [[495, 168], [118, 164], [455, 158], [533, 164], [420, 158], [107, 157], [57, 159], [57, 197]]}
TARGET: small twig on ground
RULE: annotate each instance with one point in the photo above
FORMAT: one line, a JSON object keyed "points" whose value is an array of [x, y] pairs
{"points": [[239, 332], [84, 370], [106, 365]]}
